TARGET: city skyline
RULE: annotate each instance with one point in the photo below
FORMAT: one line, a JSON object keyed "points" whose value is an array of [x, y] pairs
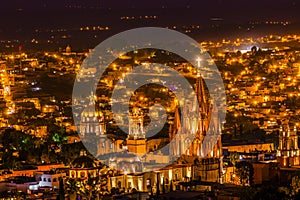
{"points": [[150, 100]]}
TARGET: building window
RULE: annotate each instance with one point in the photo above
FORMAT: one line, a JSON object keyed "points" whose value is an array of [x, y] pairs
{"points": [[49, 179], [45, 180], [82, 174], [148, 182], [119, 184], [54, 180]]}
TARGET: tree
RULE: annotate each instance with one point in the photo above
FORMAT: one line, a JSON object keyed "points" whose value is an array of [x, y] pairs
{"points": [[247, 193], [14, 142], [92, 187], [72, 188], [245, 173], [293, 191], [234, 157], [254, 50], [71, 152], [114, 191], [56, 139], [59, 137], [269, 192]]}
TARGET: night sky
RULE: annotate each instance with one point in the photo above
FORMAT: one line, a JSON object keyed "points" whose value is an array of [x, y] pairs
{"points": [[19, 18], [231, 10]]}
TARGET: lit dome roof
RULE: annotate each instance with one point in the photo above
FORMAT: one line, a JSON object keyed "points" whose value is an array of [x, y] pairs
{"points": [[84, 162], [90, 111]]}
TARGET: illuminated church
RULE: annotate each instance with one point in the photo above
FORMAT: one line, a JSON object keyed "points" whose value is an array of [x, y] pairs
{"points": [[199, 136], [93, 123], [200, 131], [192, 161], [288, 153]]}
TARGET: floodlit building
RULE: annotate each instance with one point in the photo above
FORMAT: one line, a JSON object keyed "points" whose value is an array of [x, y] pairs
{"points": [[199, 123], [288, 153]]}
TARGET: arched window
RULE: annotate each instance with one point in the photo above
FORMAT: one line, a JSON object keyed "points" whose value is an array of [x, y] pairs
{"points": [[82, 175], [148, 182], [119, 184]]}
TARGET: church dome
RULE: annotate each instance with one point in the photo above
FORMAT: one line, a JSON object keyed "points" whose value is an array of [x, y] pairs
{"points": [[84, 162], [90, 111], [68, 49]]}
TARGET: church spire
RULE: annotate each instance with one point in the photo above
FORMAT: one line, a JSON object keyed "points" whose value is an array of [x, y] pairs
{"points": [[200, 92], [136, 124], [177, 119], [176, 125]]}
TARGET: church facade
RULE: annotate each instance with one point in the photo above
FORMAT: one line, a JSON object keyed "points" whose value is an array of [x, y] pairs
{"points": [[195, 136], [199, 140], [288, 153]]}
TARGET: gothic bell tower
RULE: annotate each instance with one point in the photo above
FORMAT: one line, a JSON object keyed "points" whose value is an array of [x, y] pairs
{"points": [[288, 153], [136, 124], [136, 141]]}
